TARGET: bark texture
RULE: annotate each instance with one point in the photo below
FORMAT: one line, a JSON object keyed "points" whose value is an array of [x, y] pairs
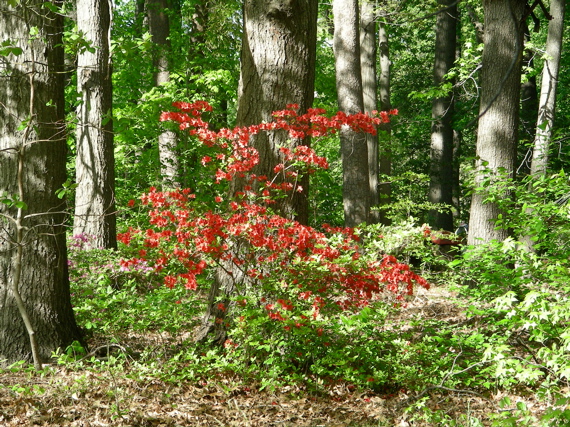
{"points": [[499, 110], [33, 83], [548, 88], [529, 108], [368, 55], [354, 150], [547, 103], [385, 129], [95, 164], [277, 68], [159, 29], [441, 148]]}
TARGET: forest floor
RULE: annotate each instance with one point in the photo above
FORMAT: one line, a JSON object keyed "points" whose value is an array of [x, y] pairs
{"points": [[78, 396]]}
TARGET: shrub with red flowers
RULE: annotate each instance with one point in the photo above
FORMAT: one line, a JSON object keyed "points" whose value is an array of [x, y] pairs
{"points": [[288, 276]]}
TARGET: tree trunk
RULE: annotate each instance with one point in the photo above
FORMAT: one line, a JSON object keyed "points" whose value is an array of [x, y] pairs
{"points": [[529, 109], [457, 138], [31, 86], [95, 165], [499, 111], [354, 150], [159, 29], [548, 87], [200, 19], [370, 96], [385, 129], [441, 150], [547, 103], [277, 68]]}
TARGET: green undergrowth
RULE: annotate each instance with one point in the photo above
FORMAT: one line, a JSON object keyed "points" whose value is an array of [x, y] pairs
{"points": [[495, 323], [368, 350]]}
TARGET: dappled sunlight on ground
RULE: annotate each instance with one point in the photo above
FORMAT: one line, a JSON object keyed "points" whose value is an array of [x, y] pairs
{"points": [[126, 393]]}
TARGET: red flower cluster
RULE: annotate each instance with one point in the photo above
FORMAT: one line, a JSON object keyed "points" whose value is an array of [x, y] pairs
{"points": [[236, 157], [306, 270]]}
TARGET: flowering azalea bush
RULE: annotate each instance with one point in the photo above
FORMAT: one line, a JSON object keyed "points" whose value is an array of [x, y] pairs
{"points": [[290, 279]]}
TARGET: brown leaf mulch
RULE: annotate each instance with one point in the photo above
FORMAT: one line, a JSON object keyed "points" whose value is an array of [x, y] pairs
{"points": [[88, 400]]}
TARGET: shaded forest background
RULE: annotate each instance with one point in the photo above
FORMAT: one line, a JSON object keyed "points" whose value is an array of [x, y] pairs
{"points": [[464, 186]]}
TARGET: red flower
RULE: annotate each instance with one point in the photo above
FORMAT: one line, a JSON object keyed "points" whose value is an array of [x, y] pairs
{"points": [[328, 274], [170, 281]]}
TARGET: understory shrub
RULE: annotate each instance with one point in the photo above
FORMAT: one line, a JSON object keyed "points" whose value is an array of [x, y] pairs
{"points": [[520, 290]]}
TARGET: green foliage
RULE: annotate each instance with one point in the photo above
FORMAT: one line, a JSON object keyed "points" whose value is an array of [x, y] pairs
{"points": [[517, 333], [207, 71], [325, 185], [76, 43], [108, 297], [7, 47], [13, 201], [520, 292], [66, 189], [335, 346], [521, 415], [411, 201]]}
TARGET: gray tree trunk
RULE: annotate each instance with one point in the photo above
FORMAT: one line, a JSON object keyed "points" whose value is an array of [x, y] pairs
{"points": [[200, 21], [95, 164], [385, 129], [441, 149], [547, 103], [277, 68], [159, 29], [31, 86], [354, 150], [548, 87], [368, 54], [499, 111], [529, 109]]}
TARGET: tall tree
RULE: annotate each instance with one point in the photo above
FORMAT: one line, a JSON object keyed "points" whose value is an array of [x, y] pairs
{"points": [[200, 18], [354, 151], [529, 105], [33, 256], [499, 110], [95, 164], [384, 148], [368, 55], [277, 68], [159, 29], [548, 88], [442, 137]]}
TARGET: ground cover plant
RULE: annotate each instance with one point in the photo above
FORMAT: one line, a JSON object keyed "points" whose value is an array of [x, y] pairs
{"points": [[322, 327]]}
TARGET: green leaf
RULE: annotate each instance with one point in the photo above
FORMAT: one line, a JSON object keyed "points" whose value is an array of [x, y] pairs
{"points": [[50, 6], [23, 125], [543, 125], [8, 47], [21, 205]]}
